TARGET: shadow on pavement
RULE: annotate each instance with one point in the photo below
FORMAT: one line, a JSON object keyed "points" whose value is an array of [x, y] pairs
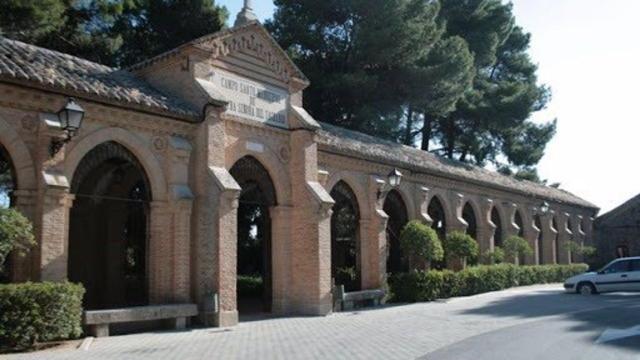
{"points": [[593, 314]]}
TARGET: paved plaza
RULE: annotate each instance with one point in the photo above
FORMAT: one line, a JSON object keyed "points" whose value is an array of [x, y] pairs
{"points": [[393, 332]]}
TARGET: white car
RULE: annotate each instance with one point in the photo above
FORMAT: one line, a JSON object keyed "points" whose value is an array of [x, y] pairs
{"points": [[619, 275]]}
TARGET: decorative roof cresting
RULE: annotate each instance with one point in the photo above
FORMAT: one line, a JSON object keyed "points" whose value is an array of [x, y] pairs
{"points": [[246, 15]]}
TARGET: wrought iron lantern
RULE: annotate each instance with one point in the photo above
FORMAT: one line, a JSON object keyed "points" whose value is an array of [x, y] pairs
{"points": [[70, 119]]}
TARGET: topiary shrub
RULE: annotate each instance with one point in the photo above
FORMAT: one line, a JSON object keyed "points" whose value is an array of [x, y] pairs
{"points": [[515, 247], [38, 312], [421, 244], [459, 246], [249, 286], [16, 234], [495, 256]]}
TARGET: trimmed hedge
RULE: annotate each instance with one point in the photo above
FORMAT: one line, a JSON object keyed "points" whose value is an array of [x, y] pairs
{"points": [[39, 312], [430, 285], [250, 286]]}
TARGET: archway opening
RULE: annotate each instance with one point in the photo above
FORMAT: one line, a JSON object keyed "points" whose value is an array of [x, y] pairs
{"points": [[345, 239], [395, 208], [7, 185], [437, 214], [469, 216], [556, 247], [108, 233], [539, 243], [254, 265], [497, 221], [517, 219]]}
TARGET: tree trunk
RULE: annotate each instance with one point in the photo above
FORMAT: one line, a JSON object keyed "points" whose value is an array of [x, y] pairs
{"points": [[407, 132], [426, 132]]}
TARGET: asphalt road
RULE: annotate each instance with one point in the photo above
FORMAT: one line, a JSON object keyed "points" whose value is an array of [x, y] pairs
{"points": [[610, 331]]}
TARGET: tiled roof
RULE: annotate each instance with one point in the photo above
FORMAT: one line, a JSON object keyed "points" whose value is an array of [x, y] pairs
{"points": [[25, 63], [350, 142]]}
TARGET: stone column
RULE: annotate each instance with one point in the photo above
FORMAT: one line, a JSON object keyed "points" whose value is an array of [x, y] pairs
{"points": [[22, 270], [531, 233], [280, 256], [549, 235], [509, 228], [455, 222], [563, 238], [52, 229], [485, 228], [423, 210]]}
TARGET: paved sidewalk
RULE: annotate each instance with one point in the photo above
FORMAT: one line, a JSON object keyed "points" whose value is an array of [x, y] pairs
{"points": [[393, 332]]}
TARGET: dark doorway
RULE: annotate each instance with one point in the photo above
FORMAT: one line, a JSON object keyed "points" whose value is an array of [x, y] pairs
{"points": [[108, 235], [538, 223], [254, 273], [497, 221], [345, 224], [395, 208], [7, 185], [469, 216], [439, 224]]}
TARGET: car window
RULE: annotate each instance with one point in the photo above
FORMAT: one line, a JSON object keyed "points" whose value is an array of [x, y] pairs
{"points": [[635, 265], [617, 267]]}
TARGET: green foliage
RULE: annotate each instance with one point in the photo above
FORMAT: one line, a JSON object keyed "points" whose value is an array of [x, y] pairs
{"points": [[493, 257], [430, 285], [348, 277], [421, 242], [249, 286], [460, 245], [16, 234], [39, 312], [112, 32], [515, 247]]}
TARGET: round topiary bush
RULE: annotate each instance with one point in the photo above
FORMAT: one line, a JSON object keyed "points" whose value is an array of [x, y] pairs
{"points": [[16, 234], [515, 247], [421, 244], [460, 246]]}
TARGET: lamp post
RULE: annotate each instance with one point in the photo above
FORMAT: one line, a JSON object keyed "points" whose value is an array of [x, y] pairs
{"points": [[393, 181], [70, 119]]}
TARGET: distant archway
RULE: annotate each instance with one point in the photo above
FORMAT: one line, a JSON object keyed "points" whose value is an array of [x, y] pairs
{"points": [[556, 247], [396, 209], [437, 214], [517, 219], [254, 265], [345, 242], [497, 221], [469, 216], [109, 235]]}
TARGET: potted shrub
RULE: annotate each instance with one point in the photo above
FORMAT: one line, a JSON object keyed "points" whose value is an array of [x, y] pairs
{"points": [[459, 247], [16, 234], [421, 245], [516, 247]]}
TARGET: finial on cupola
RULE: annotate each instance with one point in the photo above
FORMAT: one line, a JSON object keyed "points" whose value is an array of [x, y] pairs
{"points": [[246, 14]]}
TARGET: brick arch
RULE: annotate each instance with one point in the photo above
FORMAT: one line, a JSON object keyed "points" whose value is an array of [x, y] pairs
{"points": [[20, 156], [356, 186], [137, 146], [477, 217], [408, 198], [278, 172], [446, 206]]}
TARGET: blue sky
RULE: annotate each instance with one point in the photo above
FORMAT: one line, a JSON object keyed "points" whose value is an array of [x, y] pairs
{"points": [[588, 52]]}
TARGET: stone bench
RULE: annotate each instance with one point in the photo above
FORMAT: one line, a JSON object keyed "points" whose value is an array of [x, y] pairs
{"points": [[98, 321], [347, 300]]}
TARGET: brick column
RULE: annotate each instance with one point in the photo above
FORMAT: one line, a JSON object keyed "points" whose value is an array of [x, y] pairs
{"points": [[531, 233], [52, 228], [280, 256], [509, 228], [485, 228], [549, 235], [424, 206], [578, 234], [373, 241], [564, 236]]}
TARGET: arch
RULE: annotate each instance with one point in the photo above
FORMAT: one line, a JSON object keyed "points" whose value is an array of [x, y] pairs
{"points": [[345, 237], [8, 180], [352, 181], [496, 219], [25, 171], [556, 245], [396, 209], [471, 217], [268, 160], [254, 237], [438, 214], [137, 146], [517, 219], [109, 227]]}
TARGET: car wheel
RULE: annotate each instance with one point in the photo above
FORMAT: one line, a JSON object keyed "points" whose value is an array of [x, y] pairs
{"points": [[586, 289]]}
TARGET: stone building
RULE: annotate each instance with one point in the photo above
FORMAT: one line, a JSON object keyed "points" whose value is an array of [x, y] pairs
{"points": [[181, 156], [617, 232]]}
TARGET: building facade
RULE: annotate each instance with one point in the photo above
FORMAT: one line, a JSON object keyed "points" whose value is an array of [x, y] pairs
{"points": [[184, 161], [617, 233]]}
